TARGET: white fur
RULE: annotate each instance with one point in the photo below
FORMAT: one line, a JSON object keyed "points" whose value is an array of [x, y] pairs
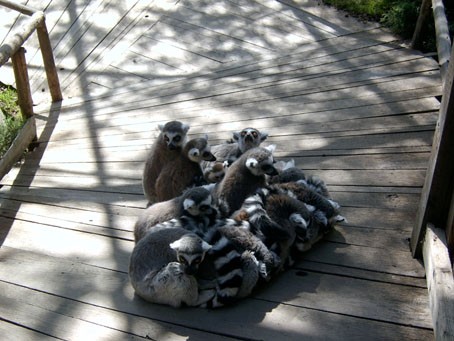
{"points": [[271, 148], [188, 204]]}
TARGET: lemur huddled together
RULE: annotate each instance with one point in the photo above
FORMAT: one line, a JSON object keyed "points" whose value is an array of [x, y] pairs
{"points": [[222, 220]]}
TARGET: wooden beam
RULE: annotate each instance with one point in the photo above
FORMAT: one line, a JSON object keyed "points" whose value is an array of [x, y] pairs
{"points": [[442, 36], [18, 7], [440, 283], [17, 39], [26, 136], [423, 13], [438, 187], [22, 83], [49, 63]]}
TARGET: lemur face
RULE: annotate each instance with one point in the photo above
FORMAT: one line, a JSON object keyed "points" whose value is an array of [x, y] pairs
{"points": [[174, 134], [173, 140], [249, 138], [190, 252]]}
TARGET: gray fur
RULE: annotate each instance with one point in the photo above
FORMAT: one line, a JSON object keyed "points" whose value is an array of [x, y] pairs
{"points": [[166, 148], [202, 211], [239, 259], [183, 171], [162, 264], [243, 178], [228, 152]]}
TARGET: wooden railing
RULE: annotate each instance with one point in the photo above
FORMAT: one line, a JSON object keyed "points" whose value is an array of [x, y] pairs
{"points": [[433, 234], [13, 48], [437, 200]]}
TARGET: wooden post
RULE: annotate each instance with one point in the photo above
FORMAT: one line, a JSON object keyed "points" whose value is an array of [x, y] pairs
{"points": [[49, 63], [439, 184], [22, 83], [442, 35], [423, 13], [450, 226], [440, 283]]}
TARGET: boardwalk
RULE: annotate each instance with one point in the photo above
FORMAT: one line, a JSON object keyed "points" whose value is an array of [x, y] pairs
{"points": [[341, 98]]}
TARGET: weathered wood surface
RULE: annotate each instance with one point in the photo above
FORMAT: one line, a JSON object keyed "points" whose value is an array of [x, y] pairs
{"points": [[440, 282], [339, 97]]}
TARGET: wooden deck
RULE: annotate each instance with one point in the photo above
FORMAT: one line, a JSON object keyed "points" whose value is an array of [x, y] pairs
{"points": [[339, 96]]}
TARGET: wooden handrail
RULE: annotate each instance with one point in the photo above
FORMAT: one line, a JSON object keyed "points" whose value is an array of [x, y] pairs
{"points": [[437, 198], [13, 44], [12, 48], [441, 31]]}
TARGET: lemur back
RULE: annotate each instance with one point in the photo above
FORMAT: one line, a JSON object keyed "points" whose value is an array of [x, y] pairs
{"points": [[166, 148], [184, 171], [196, 204], [243, 178]]}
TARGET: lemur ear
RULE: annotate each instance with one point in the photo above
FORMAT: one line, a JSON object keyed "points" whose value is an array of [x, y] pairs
{"points": [[205, 246], [161, 127], [271, 148], [263, 136], [194, 152], [188, 203], [236, 136], [251, 163], [185, 127], [176, 244], [206, 137]]}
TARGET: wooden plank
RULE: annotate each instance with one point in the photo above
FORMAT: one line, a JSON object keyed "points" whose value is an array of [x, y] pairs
{"points": [[354, 297], [97, 250], [346, 271], [373, 217], [23, 139], [363, 236], [314, 102], [264, 318], [69, 319], [226, 121], [440, 282], [70, 195], [13, 332], [52, 323], [304, 59], [325, 47], [361, 257]]}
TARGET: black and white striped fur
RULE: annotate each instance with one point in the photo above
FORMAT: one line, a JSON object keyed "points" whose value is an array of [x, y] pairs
{"points": [[239, 260]]}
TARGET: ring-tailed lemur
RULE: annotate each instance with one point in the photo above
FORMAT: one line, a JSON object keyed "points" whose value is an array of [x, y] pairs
{"points": [[195, 204], [163, 264], [183, 171], [227, 153], [166, 148], [233, 265], [214, 172], [243, 178]]}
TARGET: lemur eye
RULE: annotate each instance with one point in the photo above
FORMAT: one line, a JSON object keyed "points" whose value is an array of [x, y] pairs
{"points": [[204, 207], [177, 138], [243, 133], [166, 138], [197, 261], [206, 154], [182, 260], [254, 133]]}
